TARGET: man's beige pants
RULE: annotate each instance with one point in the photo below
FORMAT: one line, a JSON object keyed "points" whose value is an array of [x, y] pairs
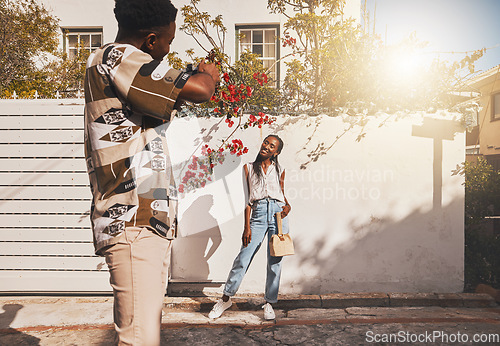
{"points": [[138, 267]]}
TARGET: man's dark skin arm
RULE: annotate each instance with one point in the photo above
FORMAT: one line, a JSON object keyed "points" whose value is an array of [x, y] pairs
{"points": [[200, 87]]}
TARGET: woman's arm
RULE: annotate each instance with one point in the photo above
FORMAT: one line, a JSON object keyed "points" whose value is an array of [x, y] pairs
{"points": [[247, 232], [286, 208]]}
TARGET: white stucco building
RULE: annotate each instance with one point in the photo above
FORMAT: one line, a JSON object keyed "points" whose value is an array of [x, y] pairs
{"points": [[80, 22]]}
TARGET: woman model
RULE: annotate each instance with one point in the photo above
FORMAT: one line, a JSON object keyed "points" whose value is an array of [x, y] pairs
{"points": [[265, 180]]}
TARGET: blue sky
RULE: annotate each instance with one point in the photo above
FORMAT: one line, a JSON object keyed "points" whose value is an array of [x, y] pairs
{"points": [[448, 25]]}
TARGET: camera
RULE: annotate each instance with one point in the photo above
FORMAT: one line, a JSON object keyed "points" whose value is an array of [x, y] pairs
{"points": [[190, 70]]}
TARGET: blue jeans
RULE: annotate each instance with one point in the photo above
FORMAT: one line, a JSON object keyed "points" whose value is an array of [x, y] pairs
{"points": [[262, 221]]}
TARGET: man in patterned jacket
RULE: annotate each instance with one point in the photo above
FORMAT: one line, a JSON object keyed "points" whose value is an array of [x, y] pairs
{"points": [[130, 96]]}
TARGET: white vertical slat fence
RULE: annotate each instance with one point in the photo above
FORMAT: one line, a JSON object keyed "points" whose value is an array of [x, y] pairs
{"points": [[45, 236]]}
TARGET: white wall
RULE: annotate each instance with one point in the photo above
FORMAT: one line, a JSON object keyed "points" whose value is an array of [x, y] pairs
{"points": [[382, 214], [85, 13]]}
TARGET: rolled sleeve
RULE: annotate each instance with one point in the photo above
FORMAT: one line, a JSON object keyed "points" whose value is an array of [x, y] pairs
{"points": [[148, 86]]}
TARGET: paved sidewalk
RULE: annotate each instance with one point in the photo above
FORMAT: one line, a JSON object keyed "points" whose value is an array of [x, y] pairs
{"points": [[356, 318]]}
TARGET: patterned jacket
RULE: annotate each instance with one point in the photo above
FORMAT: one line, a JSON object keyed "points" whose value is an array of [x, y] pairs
{"points": [[129, 100]]}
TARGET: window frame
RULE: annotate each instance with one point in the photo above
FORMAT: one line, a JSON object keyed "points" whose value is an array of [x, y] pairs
{"points": [[255, 27], [72, 31], [495, 97]]}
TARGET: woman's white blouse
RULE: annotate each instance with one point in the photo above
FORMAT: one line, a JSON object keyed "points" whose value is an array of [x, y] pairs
{"points": [[267, 187]]}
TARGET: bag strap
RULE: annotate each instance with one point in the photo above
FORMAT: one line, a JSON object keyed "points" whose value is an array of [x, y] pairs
{"points": [[280, 226]]}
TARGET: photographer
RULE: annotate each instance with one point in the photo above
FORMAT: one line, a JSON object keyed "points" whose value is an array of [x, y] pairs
{"points": [[130, 95]]}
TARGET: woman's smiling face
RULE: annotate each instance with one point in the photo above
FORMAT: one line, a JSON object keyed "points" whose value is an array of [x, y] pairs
{"points": [[269, 148]]}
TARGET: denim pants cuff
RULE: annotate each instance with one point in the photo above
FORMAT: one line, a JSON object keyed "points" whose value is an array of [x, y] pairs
{"points": [[227, 293], [272, 301]]}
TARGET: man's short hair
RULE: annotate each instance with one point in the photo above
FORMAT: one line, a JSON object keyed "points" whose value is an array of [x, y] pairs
{"points": [[133, 15]]}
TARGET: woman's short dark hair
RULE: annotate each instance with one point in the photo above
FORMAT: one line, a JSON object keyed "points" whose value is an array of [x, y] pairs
{"points": [[133, 15]]}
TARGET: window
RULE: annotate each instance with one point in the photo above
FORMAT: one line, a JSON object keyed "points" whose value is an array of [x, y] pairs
{"points": [[261, 40], [81, 38], [472, 150], [494, 160], [495, 106]]}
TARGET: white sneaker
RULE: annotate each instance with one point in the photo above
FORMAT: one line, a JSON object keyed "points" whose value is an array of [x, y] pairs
{"points": [[268, 312], [219, 308]]}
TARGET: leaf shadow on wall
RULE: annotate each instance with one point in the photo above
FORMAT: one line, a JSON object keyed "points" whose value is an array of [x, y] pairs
{"points": [[418, 253], [383, 251]]}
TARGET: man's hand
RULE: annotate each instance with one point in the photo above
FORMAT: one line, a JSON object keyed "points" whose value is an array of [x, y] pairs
{"points": [[200, 87], [210, 69]]}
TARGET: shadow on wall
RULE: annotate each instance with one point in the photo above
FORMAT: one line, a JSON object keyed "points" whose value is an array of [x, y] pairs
{"points": [[387, 255], [419, 251], [202, 245], [438, 130], [11, 336], [415, 252]]}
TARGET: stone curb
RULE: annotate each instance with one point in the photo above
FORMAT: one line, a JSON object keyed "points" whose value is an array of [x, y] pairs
{"points": [[290, 301], [39, 311], [340, 301]]}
